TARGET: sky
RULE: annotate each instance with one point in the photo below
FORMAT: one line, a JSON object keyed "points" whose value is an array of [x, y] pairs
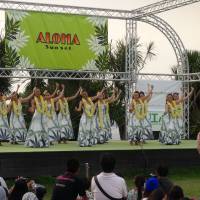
{"points": [[184, 20]]}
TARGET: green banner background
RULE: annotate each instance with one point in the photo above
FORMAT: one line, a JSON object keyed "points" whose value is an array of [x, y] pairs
{"points": [[33, 54]]}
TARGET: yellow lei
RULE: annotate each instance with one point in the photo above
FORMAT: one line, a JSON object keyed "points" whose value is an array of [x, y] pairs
{"points": [[178, 109], [39, 108], [64, 107], [140, 113], [89, 112], [3, 108], [17, 108], [172, 109], [49, 112]]}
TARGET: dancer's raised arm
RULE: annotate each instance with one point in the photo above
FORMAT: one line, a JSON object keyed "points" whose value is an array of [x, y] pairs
{"points": [[75, 96], [149, 93], [116, 97], [55, 91], [28, 98], [79, 108], [182, 98], [60, 95]]}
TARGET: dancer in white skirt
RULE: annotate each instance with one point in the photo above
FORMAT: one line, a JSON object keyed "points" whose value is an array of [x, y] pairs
{"points": [[87, 126], [64, 120], [17, 122], [5, 133], [103, 117], [136, 118], [148, 131], [178, 106], [50, 121], [37, 136]]}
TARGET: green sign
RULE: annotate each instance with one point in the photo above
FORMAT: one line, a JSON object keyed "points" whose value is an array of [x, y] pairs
{"points": [[54, 41]]}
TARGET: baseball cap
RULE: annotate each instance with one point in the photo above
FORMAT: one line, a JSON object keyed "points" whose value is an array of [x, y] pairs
{"points": [[151, 184]]}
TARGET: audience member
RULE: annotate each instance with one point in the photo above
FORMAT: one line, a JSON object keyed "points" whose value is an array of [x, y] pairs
{"points": [[150, 185], [3, 195], [107, 185], [69, 185], [158, 194], [19, 189], [164, 182], [137, 192], [176, 193], [40, 191]]}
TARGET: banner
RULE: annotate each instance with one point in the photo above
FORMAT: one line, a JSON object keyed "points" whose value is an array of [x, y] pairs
{"points": [[54, 41]]}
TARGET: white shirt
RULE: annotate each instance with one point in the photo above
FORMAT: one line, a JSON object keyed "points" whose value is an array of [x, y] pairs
{"points": [[112, 184]]}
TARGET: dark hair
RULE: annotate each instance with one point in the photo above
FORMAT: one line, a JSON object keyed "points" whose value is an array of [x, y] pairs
{"points": [[162, 170], [108, 163], [157, 194], [139, 183], [20, 188], [141, 92], [175, 93], [73, 165], [137, 92], [176, 193], [40, 191]]}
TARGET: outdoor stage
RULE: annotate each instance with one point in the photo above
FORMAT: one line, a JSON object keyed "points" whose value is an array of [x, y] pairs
{"points": [[18, 160]]}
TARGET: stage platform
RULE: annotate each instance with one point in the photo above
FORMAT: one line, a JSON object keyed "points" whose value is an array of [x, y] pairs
{"points": [[18, 160]]}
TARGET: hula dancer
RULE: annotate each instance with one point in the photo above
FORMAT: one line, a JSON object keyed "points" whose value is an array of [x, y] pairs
{"points": [[50, 121], [4, 126], [64, 120], [102, 116], [37, 136], [17, 122], [168, 132], [87, 130], [148, 132], [178, 104], [136, 117]]}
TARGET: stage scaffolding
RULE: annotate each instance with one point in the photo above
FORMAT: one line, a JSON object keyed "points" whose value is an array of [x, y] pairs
{"points": [[144, 14]]}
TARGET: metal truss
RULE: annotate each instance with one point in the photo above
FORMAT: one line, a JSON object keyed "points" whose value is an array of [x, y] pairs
{"points": [[181, 56], [154, 8], [160, 6], [62, 74]]}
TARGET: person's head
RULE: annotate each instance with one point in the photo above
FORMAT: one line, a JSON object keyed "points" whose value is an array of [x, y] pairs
{"points": [[84, 94], [37, 92], [176, 193], [105, 94], [46, 94], [139, 181], [176, 96], [100, 95], [150, 185], [157, 194], [142, 94], [40, 191], [15, 96], [20, 188], [136, 95], [139, 184], [169, 97], [162, 171], [1, 95], [108, 163], [73, 166]]}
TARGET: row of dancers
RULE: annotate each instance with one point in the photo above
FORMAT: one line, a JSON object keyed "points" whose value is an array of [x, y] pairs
{"points": [[51, 120], [140, 127]]}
